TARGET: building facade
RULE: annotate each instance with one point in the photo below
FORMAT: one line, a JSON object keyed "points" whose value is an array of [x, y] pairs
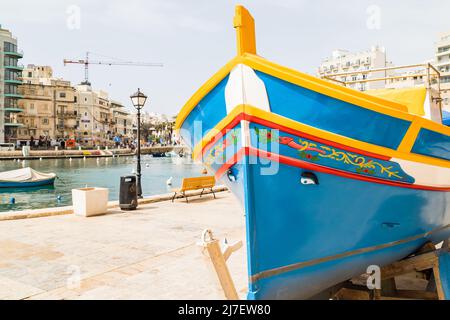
{"points": [[121, 120], [52, 109], [48, 106], [343, 61], [95, 116], [442, 63], [10, 79]]}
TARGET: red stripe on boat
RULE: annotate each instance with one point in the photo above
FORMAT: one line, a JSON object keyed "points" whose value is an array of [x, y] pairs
{"points": [[244, 116], [315, 167]]}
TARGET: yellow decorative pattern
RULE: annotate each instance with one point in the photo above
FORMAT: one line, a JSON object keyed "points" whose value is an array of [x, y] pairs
{"points": [[358, 161]]}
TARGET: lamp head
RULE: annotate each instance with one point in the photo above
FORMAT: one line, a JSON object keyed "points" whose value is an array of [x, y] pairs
{"points": [[138, 99]]}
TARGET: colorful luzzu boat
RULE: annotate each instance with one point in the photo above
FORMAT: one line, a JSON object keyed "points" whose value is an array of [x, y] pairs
{"points": [[332, 180]]}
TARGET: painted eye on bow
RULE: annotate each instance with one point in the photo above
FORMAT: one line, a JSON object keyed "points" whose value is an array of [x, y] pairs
{"points": [[231, 175], [309, 178]]}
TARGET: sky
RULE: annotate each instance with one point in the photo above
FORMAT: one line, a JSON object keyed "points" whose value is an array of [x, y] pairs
{"points": [[194, 38]]}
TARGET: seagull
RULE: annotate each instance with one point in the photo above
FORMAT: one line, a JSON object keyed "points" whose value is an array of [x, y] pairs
{"points": [[169, 181]]}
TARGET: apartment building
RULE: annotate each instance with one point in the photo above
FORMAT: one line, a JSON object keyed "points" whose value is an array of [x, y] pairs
{"points": [[122, 120], [10, 72], [48, 106], [342, 61], [96, 125], [442, 63]]}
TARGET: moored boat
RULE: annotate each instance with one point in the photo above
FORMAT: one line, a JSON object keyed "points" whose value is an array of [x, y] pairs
{"points": [[25, 177], [332, 180]]}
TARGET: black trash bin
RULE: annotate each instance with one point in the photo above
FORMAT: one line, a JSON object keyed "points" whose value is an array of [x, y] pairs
{"points": [[128, 194]]}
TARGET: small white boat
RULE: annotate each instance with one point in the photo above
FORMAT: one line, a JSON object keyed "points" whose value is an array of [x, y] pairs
{"points": [[25, 177]]}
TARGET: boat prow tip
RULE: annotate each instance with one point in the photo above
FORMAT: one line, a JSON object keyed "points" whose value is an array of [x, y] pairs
{"points": [[244, 24]]}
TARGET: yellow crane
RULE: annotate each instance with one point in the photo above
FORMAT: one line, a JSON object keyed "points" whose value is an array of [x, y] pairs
{"points": [[86, 62]]}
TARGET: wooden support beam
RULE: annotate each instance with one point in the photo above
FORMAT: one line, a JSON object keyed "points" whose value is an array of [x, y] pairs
{"points": [[352, 294], [446, 245], [437, 279], [218, 259], [415, 294], [229, 249], [416, 263], [388, 287]]}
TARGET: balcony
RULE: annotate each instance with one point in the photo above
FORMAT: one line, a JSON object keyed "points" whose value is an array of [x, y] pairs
{"points": [[14, 95], [14, 109], [66, 114], [66, 127], [18, 67], [13, 81], [18, 54], [12, 123]]}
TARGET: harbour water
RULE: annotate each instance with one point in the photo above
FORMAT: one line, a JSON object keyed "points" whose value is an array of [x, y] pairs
{"points": [[98, 172]]}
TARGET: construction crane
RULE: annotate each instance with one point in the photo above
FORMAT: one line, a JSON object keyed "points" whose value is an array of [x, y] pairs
{"points": [[87, 62]]}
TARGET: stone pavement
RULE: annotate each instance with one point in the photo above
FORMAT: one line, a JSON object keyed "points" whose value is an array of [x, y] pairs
{"points": [[150, 253]]}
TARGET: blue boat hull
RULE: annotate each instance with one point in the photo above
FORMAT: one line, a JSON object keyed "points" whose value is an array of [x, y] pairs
{"points": [[331, 180], [27, 184], [306, 238]]}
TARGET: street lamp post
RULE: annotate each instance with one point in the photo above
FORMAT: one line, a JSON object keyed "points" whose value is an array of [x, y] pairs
{"points": [[138, 100]]}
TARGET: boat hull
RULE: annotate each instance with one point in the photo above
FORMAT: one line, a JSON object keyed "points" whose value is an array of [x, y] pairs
{"points": [[321, 235], [303, 239], [27, 184], [331, 180]]}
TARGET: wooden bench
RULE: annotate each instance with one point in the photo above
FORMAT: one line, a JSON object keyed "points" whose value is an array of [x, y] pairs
{"points": [[195, 183]]}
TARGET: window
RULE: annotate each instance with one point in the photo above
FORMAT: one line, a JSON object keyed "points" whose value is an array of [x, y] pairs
{"points": [[12, 103], [30, 74], [62, 94], [11, 75], [10, 47], [45, 121], [85, 114], [10, 61], [31, 106], [10, 89], [75, 99]]}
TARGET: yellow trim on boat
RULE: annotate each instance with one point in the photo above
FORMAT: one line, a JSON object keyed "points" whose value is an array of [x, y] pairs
{"points": [[410, 137], [245, 31], [204, 90], [214, 131], [286, 122], [309, 82], [355, 97], [327, 88]]}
